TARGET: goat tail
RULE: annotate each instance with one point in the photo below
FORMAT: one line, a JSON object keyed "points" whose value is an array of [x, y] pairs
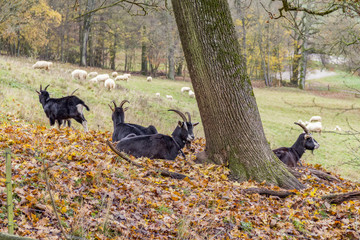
{"points": [[87, 108]]}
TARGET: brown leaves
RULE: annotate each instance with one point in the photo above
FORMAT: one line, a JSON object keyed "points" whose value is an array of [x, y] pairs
{"points": [[100, 196]]}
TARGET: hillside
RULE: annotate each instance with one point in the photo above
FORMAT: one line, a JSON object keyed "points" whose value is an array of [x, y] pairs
{"points": [[279, 107], [99, 196]]}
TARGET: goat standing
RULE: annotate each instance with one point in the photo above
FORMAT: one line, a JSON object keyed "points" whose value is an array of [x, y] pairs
{"points": [[62, 109], [291, 156], [160, 146], [122, 129]]}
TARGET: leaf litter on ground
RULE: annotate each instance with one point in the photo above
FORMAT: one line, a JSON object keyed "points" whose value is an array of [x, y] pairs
{"points": [[100, 196]]}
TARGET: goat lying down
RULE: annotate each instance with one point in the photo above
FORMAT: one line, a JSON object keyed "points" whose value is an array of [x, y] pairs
{"points": [[160, 146], [122, 129], [291, 156], [61, 110]]}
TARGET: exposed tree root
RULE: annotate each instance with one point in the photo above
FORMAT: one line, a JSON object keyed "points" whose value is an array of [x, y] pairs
{"points": [[339, 198], [267, 192], [163, 173], [317, 173]]}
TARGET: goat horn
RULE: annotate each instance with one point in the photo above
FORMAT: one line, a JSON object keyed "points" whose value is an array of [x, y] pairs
{"points": [[40, 88], [111, 108], [188, 115], [180, 113], [302, 126], [123, 102], [46, 87], [114, 103]]}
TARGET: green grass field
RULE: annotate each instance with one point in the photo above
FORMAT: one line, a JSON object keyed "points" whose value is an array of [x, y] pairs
{"points": [[18, 82]]}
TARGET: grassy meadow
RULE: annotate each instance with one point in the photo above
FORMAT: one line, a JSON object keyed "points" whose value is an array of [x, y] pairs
{"points": [[279, 107]]}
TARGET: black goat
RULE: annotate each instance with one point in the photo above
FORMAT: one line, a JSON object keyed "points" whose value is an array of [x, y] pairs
{"points": [[160, 146], [122, 129], [291, 156], [60, 110]]}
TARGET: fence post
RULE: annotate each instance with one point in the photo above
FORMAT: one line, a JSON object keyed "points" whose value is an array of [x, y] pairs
{"points": [[10, 213]]}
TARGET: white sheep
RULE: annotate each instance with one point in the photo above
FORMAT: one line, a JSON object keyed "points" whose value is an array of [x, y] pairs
{"points": [[169, 97], [92, 74], [157, 94], [301, 122], [128, 75], [315, 119], [93, 80], [122, 78], [109, 84], [337, 128], [314, 127], [79, 74], [149, 79], [42, 65], [102, 77], [114, 74], [191, 94], [185, 89]]}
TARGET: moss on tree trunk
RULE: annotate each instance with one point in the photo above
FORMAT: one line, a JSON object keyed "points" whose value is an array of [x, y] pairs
{"points": [[228, 109]]}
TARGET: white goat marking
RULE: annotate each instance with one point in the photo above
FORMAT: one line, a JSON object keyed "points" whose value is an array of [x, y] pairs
{"points": [[80, 108]]}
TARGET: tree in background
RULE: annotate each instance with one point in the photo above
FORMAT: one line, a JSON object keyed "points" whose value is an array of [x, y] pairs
{"points": [[232, 124], [25, 31]]}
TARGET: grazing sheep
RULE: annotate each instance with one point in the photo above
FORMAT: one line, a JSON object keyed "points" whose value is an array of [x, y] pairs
{"points": [[42, 65], [122, 78], [314, 127], [191, 94], [185, 89], [157, 94], [109, 84], [337, 128], [62, 109], [160, 146], [149, 79], [93, 80], [79, 74], [169, 97], [102, 77], [315, 119], [291, 156], [128, 75], [302, 122], [114, 74], [92, 74]]}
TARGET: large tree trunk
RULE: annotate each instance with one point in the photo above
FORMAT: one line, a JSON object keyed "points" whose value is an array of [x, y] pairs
{"points": [[231, 120]]}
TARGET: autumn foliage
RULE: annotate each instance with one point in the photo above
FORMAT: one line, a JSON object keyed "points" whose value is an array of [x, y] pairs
{"points": [[100, 196]]}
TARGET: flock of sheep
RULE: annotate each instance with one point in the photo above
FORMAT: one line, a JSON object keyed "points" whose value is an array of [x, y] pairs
{"points": [[108, 82], [314, 124]]}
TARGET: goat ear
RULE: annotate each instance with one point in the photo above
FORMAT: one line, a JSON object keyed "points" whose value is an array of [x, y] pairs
{"points": [[125, 109], [37, 92], [194, 124], [111, 108], [180, 123]]}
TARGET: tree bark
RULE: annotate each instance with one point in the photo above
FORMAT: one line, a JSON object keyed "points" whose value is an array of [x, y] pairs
{"points": [[231, 120], [304, 54], [86, 31], [113, 53], [171, 49], [144, 69]]}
